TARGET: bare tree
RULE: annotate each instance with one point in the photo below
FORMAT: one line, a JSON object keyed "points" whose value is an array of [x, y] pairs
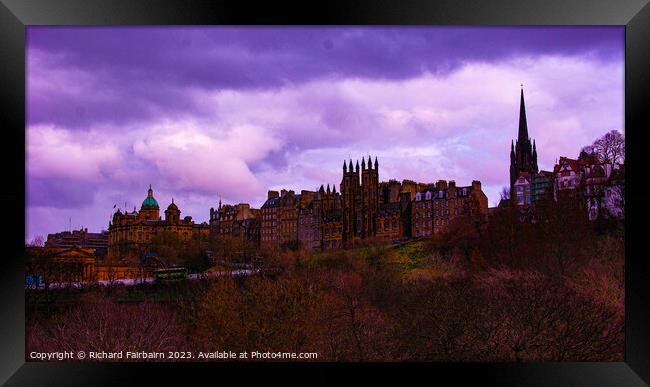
{"points": [[37, 241], [99, 324], [610, 147], [505, 193]]}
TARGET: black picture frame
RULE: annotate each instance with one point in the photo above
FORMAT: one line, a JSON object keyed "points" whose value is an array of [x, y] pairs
{"points": [[15, 15]]}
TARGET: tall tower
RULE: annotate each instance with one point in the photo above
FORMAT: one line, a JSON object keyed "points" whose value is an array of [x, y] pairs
{"points": [[523, 153], [360, 199], [349, 187], [369, 196]]}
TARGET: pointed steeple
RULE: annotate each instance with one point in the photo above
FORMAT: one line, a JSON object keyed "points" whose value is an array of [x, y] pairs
{"points": [[363, 163], [376, 163], [333, 188], [357, 167], [350, 168], [345, 167], [523, 125], [328, 188]]}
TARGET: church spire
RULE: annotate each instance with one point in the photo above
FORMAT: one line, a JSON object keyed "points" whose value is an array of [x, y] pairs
{"points": [[523, 125]]}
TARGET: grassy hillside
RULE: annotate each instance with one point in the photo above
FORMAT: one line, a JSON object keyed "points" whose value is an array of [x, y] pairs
{"points": [[411, 258]]}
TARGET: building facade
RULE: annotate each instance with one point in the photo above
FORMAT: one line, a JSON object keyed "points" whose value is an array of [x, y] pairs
{"points": [[238, 221], [133, 232], [436, 206], [81, 238], [598, 186]]}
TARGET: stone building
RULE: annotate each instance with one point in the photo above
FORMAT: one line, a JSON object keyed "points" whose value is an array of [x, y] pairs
{"points": [[279, 226], [60, 265], [438, 205], [332, 230], [269, 230], [598, 186], [80, 238], [238, 221], [319, 219], [288, 217], [394, 219], [306, 220], [133, 232], [542, 186], [309, 220], [389, 191]]}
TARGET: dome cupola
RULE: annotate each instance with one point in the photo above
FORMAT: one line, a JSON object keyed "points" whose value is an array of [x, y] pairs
{"points": [[149, 201]]}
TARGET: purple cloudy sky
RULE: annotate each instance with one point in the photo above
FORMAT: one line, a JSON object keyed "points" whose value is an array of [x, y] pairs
{"points": [[206, 112]]}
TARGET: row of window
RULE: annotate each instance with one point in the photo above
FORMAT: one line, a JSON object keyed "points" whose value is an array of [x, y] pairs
{"points": [[140, 236], [438, 203], [385, 225]]}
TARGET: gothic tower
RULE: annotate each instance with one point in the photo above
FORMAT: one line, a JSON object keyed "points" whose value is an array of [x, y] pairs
{"points": [[523, 153], [349, 189], [360, 200], [369, 196]]}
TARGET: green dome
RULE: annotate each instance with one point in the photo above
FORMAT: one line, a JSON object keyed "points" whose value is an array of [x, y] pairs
{"points": [[150, 201]]}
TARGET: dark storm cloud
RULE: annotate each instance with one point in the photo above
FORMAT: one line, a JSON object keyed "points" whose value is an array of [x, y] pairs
{"points": [[140, 73]]}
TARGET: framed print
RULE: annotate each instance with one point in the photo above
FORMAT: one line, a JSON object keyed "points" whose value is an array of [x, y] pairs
{"points": [[422, 188]]}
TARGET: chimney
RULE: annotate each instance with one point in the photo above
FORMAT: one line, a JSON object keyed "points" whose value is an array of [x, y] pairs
{"points": [[273, 194], [441, 184], [476, 185], [451, 191]]}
